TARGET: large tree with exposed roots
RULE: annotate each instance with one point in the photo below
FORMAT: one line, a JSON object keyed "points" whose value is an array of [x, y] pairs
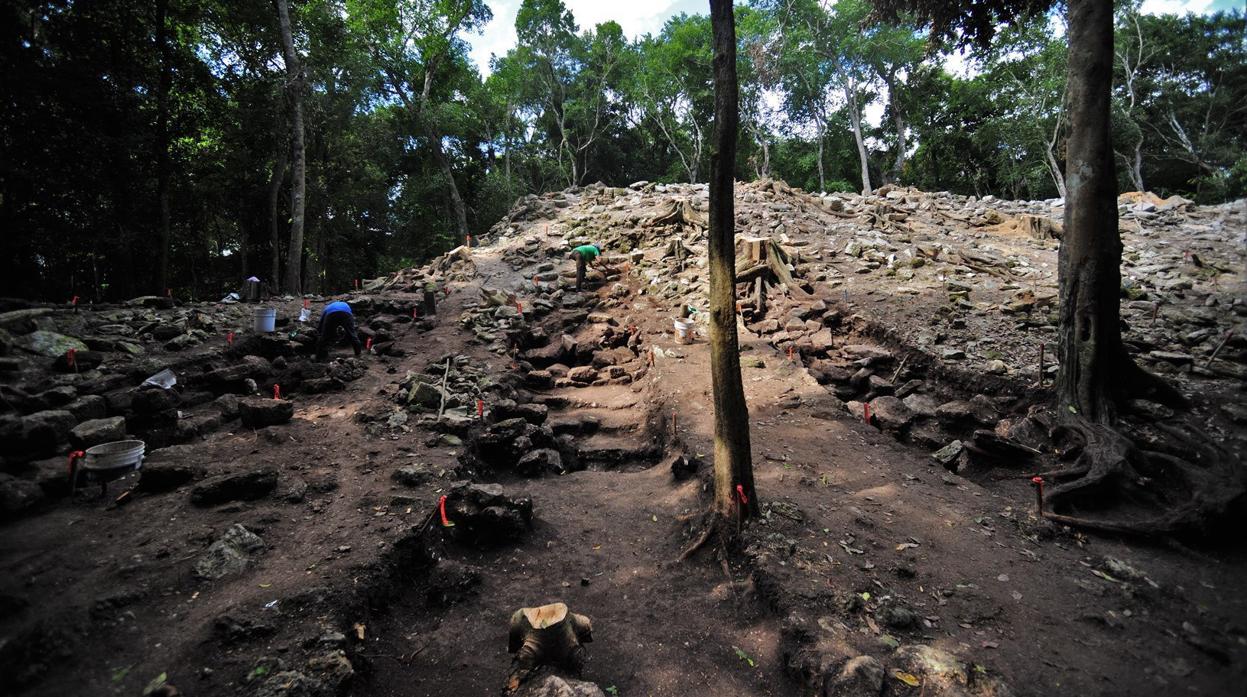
{"points": [[1166, 478]]}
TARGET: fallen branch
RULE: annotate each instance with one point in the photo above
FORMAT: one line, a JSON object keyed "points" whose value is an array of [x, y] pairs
{"points": [[1225, 339]]}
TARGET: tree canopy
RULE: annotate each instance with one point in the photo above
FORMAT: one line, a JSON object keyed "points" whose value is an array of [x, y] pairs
{"points": [[163, 132]]}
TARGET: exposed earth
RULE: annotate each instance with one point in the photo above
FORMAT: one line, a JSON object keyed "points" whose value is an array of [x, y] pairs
{"points": [[894, 381]]}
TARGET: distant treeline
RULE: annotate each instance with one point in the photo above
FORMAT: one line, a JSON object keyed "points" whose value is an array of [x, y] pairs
{"points": [[146, 147]]}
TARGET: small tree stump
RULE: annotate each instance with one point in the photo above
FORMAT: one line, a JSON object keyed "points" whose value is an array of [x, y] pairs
{"points": [[550, 635], [1039, 227], [430, 299]]}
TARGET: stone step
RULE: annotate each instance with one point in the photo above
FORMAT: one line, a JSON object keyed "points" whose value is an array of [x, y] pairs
{"points": [[600, 397], [609, 451], [586, 421]]}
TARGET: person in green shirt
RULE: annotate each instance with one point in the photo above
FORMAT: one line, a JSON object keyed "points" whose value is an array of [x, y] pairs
{"points": [[584, 254]]}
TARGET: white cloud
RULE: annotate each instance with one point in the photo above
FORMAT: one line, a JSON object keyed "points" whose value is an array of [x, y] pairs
{"points": [[498, 36], [636, 17], [1175, 7]]}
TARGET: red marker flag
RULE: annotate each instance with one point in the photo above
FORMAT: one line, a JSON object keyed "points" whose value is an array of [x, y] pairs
{"points": [[73, 458], [441, 508]]}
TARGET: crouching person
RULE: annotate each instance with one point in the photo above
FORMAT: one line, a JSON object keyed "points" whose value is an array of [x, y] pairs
{"points": [[336, 315]]}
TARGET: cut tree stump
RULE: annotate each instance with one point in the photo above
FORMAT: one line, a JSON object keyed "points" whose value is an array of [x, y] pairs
{"points": [[680, 213], [765, 260], [550, 635], [1039, 227], [430, 300]]}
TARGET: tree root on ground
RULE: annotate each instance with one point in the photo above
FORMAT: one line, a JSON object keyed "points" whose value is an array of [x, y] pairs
{"points": [[1147, 385], [1177, 481], [710, 524], [681, 214], [714, 528]]}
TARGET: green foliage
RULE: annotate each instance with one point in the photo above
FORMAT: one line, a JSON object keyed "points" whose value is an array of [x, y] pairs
{"points": [[673, 94], [396, 113], [1190, 86], [744, 657]]}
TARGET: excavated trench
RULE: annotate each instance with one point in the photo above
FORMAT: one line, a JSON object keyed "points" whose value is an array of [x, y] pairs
{"points": [[604, 539], [969, 422]]}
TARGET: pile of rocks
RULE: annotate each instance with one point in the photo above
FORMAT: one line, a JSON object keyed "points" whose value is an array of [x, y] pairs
{"points": [[966, 280], [483, 515], [150, 370], [599, 352]]}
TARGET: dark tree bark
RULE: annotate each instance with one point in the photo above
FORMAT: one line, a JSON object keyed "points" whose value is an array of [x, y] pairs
{"points": [[439, 154], [443, 163], [274, 207], [163, 86], [1093, 361], [733, 465], [420, 106], [294, 85]]}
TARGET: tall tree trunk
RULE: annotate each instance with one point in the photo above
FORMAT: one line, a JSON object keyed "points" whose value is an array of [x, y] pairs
{"points": [[274, 207], [1093, 363], [855, 120], [733, 464], [766, 155], [1054, 167], [1136, 166], [163, 86], [298, 184], [898, 121], [439, 154], [456, 201], [506, 141], [571, 156], [822, 183], [901, 146]]}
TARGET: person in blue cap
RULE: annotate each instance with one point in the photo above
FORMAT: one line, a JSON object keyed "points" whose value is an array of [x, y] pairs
{"points": [[336, 315], [584, 254]]}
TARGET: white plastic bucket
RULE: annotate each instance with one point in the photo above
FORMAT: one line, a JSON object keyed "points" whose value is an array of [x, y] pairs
{"points": [[108, 461], [683, 331], [120, 454], [265, 319]]}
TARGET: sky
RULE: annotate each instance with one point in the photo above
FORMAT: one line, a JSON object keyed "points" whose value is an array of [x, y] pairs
{"points": [[636, 17], [639, 17]]}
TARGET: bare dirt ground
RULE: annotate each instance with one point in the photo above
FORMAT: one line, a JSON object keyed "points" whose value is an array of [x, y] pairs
{"points": [[944, 576]]}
